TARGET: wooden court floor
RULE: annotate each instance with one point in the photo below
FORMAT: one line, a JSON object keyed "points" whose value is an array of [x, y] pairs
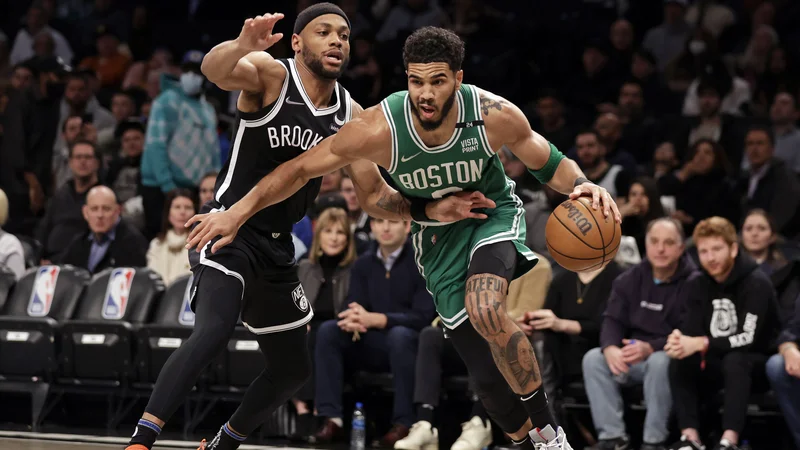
{"points": [[46, 444]]}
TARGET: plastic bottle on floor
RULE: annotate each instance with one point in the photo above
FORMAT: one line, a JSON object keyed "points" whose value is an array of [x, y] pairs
{"points": [[358, 430]]}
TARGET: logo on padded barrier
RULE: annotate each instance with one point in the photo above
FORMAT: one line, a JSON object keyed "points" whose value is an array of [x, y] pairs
{"points": [[299, 297], [186, 316], [119, 288], [44, 287]]}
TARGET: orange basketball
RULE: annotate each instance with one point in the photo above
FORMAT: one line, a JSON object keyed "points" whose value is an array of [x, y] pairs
{"points": [[579, 238]]}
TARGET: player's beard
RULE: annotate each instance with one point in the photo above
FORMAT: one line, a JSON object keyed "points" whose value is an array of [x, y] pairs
{"points": [[432, 125], [314, 63]]}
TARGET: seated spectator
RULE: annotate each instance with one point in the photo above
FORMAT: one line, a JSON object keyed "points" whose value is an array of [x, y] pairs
{"points": [[639, 129], [783, 371], [591, 156], [515, 169], [12, 255], [22, 76], [139, 72], [325, 277], [110, 241], [388, 305], [80, 100], [609, 128], [784, 115], [665, 160], [123, 108], [721, 342], [206, 189], [109, 64], [666, 40], [702, 187], [331, 183], [645, 305], [167, 255], [64, 219], [71, 131], [569, 324], [547, 117], [36, 21], [641, 207], [759, 241], [124, 173], [770, 184], [359, 219]]}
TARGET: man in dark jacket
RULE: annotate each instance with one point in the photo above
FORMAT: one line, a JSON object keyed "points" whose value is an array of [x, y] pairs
{"points": [[644, 307], [783, 371], [724, 334], [110, 242], [379, 331]]}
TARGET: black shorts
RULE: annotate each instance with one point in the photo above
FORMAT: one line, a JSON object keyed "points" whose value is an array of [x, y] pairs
{"points": [[273, 298]]}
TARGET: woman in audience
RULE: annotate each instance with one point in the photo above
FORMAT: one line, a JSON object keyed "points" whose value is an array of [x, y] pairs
{"points": [[643, 205], [167, 254], [207, 187], [702, 187], [325, 277], [11, 254], [760, 240]]}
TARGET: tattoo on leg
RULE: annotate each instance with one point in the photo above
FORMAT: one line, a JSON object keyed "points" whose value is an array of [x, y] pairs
{"points": [[484, 305], [521, 360]]}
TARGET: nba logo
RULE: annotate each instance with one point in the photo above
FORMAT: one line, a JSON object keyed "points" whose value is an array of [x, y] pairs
{"points": [[44, 287], [117, 292], [186, 316]]}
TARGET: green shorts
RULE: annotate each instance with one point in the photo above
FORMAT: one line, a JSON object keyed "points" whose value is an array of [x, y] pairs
{"points": [[443, 254]]}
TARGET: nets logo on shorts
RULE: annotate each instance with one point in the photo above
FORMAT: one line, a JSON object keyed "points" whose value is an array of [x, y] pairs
{"points": [[119, 289], [186, 316], [44, 287], [299, 297]]}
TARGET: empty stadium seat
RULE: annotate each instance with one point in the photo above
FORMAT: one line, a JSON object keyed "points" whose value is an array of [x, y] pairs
{"points": [[240, 363], [43, 299], [99, 341], [7, 281], [172, 325]]}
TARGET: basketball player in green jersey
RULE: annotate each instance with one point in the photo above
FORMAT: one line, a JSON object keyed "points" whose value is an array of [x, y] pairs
{"points": [[436, 139]]}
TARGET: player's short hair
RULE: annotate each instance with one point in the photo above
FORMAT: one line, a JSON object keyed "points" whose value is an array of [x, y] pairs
{"points": [[432, 45], [715, 227]]}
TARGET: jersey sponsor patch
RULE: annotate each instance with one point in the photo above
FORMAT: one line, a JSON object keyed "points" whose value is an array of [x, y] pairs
{"points": [[186, 316], [119, 289], [299, 297], [44, 288]]}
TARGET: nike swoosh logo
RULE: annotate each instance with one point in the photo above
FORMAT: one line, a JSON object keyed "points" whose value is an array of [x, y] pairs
{"points": [[291, 102], [404, 159]]}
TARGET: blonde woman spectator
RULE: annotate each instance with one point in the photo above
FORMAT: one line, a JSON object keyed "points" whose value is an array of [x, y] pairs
{"points": [[167, 254], [11, 253]]}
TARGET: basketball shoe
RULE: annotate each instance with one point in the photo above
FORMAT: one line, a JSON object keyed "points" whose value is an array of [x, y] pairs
{"points": [[547, 438]]}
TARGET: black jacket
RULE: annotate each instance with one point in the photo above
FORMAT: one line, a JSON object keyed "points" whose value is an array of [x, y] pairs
{"points": [[739, 314], [128, 249]]}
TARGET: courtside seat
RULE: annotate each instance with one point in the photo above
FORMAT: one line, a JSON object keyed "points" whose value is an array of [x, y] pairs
{"points": [[171, 326], [43, 299], [99, 341], [7, 281], [31, 249], [240, 363]]}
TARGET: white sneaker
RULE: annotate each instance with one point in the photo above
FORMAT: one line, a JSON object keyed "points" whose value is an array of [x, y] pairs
{"points": [[421, 436], [549, 439], [475, 435]]}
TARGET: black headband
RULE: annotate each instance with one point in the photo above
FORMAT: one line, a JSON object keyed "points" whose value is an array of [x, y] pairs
{"points": [[314, 11]]}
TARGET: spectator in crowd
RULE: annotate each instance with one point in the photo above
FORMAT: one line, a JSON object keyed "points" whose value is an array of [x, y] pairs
{"points": [[783, 371], [569, 324], [43, 45], [642, 206], [519, 174], [711, 15], [548, 119], [12, 256], [778, 77], [64, 218], [537, 212], [22, 76], [591, 152], [645, 305], [80, 101], [71, 131], [109, 64], [177, 153], [325, 277], [25, 164], [722, 340], [665, 160], [206, 188], [594, 84], [140, 72], [124, 173], [759, 240], [110, 241], [643, 69], [621, 38], [359, 220], [638, 131], [752, 63], [712, 124], [734, 91], [107, 14], [702, 187], [770, 184], [35, 23], [331, 183], [609, 130], [784, 115], [123, 107], [388, 305], [666, 41], [167, 254]]}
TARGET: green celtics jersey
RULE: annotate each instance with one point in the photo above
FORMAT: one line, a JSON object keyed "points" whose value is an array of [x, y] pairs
{"points": [[465, 162]]}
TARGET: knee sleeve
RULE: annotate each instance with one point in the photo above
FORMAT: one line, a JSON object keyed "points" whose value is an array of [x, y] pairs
{"points": [[496, 259]]}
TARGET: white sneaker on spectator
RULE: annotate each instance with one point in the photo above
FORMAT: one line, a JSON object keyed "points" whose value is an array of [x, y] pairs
{"points": [[421, 436], [686, 444], [475, 435], [548, 438]]}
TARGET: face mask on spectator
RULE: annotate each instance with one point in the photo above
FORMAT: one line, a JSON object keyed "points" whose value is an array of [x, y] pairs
{"points": [[191, 83], [697, 46]]}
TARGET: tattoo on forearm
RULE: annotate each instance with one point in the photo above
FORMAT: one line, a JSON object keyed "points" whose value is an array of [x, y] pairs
{"points": [[490, 103], [394, 203]]}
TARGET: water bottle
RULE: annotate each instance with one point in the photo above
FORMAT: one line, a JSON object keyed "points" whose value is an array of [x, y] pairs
{"points": [[746, 446], [358, 431]]}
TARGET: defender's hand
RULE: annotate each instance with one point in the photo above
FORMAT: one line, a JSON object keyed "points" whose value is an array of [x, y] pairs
{"points": [[458, 206], [222, 224], [600, 198], [256, 34]]}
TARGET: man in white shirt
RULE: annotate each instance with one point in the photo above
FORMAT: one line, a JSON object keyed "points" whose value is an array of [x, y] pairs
{"points": [[36, 23]]}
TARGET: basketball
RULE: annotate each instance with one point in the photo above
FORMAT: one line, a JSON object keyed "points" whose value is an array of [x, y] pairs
{"points": [[579, 238]]}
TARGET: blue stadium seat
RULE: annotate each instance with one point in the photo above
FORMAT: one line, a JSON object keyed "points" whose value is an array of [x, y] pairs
{"points": [[43, 299], [172, 325], [99, 341]]}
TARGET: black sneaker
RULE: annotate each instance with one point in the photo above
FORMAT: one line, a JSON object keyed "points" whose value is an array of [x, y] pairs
{"points": [[686, 444], [725, 445], [620, 443]]}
